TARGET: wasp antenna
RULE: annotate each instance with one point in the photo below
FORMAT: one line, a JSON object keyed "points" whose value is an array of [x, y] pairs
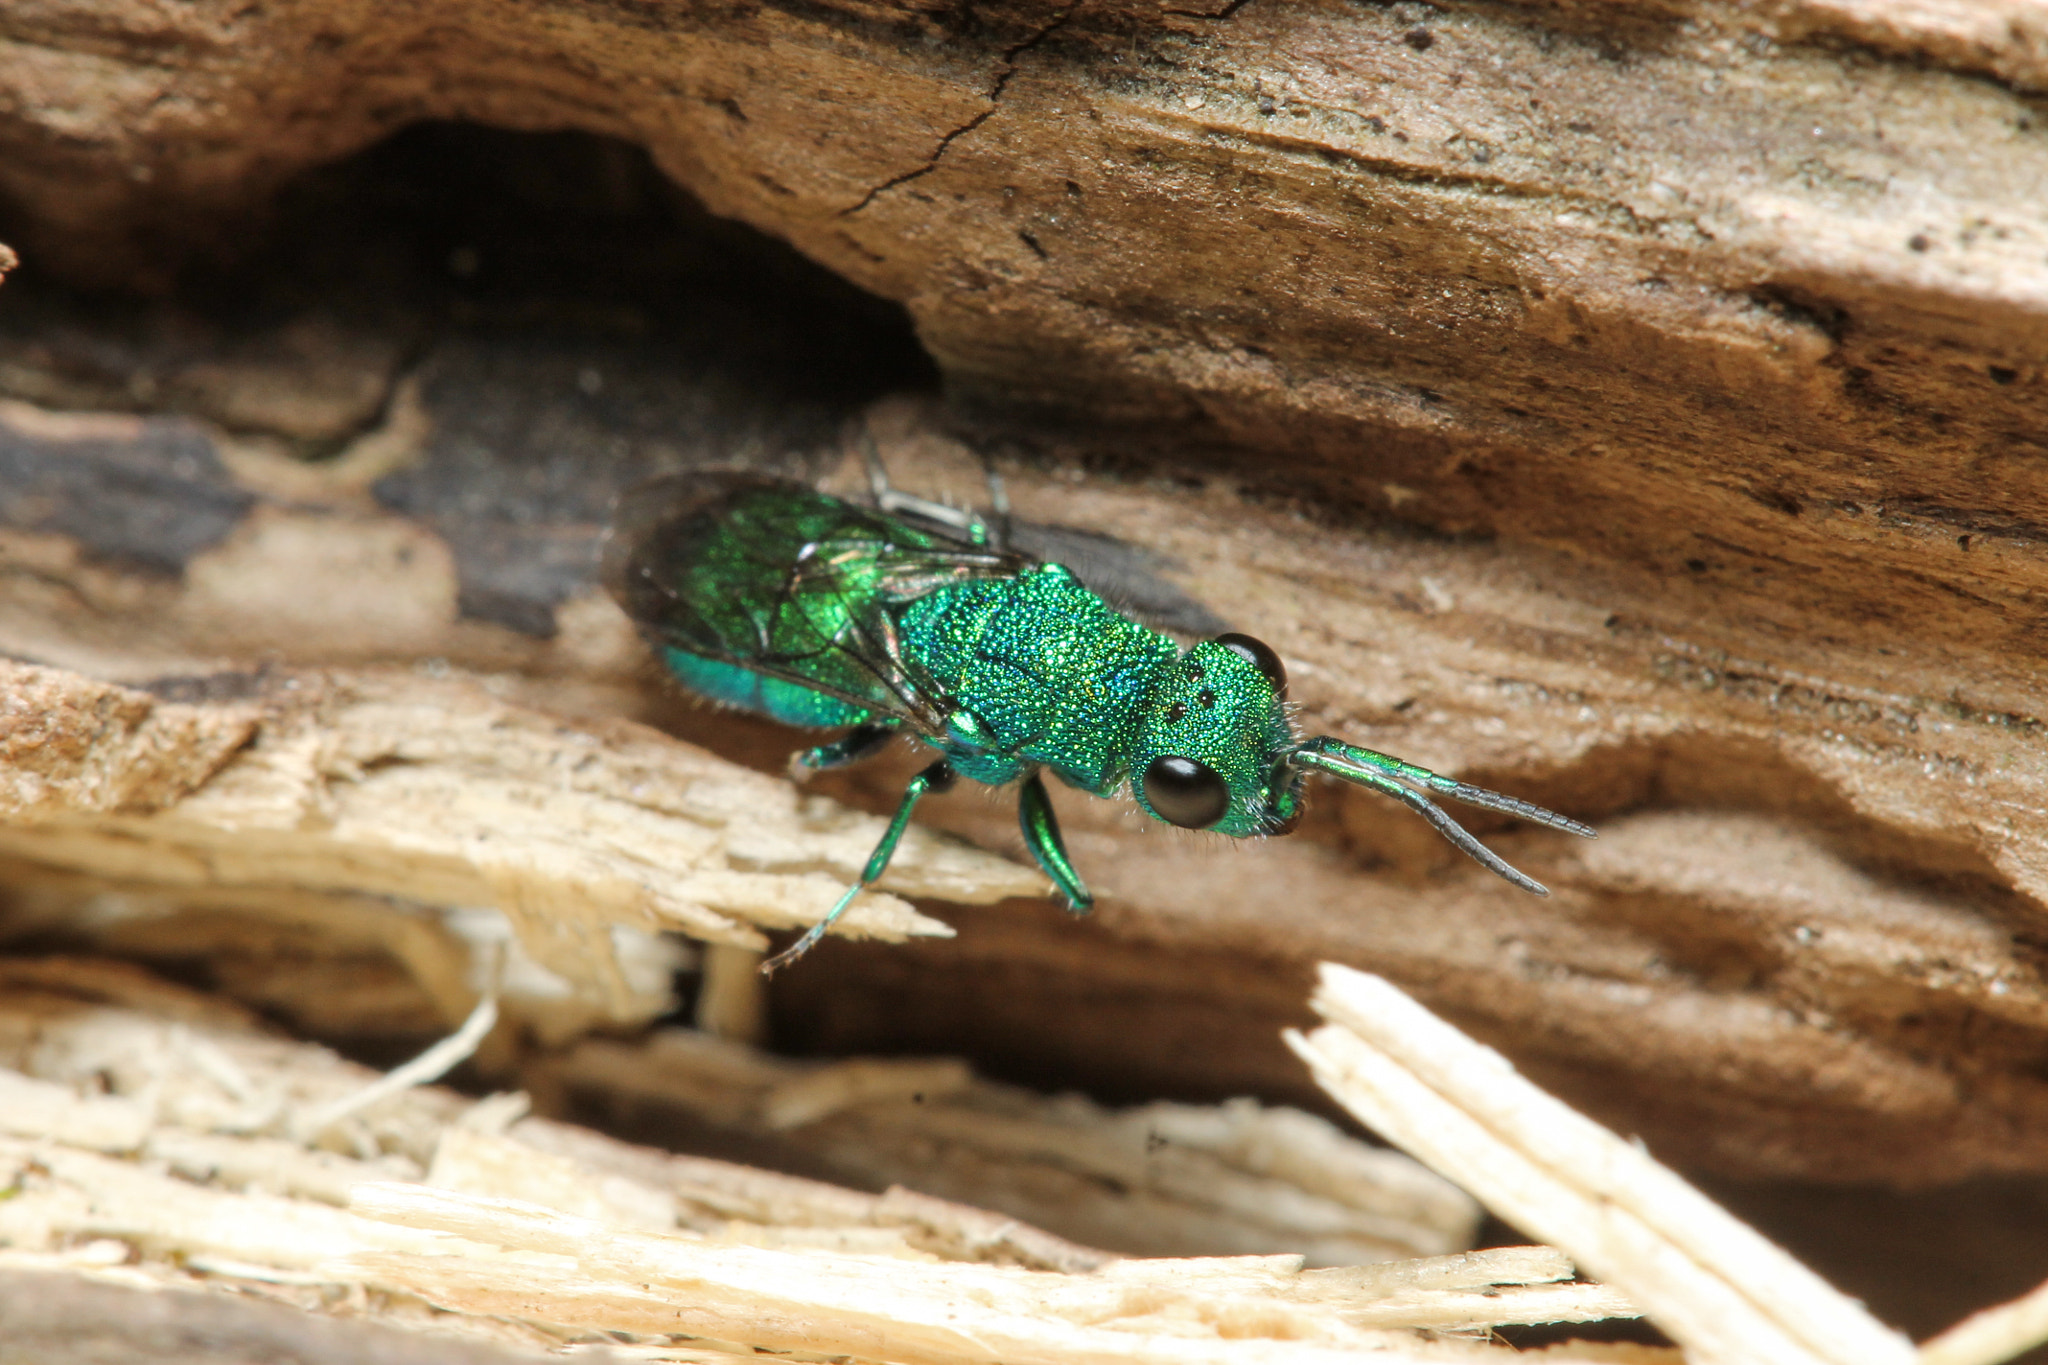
{"points": [[1449, 788], [1512, 805], [1461, 838], [1389, 775]]}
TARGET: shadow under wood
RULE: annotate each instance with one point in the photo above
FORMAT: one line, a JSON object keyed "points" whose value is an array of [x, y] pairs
{"points": [[1035, 996], [531, 323], [1923, 1260]]}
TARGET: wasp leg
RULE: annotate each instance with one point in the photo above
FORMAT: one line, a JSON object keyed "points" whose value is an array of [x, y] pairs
{"points": [[998, 509], [938, 777], [892, 501], [851, 747], [1042, 837]]}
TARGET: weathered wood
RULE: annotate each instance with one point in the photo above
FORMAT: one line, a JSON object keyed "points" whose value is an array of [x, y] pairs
{"points": [[309, 800], [150, 1137], [1698, 290], [1790, 927], [58, 1319], [1705, 352]]}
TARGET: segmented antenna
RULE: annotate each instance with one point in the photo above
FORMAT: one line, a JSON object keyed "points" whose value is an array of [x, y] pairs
{"points": [[1389, 775]]}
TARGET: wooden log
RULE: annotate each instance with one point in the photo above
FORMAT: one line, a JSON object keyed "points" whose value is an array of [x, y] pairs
{"points": [[1662, 389], [305, 799], [1696, 291]]}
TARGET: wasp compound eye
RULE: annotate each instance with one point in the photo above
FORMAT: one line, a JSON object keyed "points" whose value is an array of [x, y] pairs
{"points": [[1259, 656], [1185, 793]]}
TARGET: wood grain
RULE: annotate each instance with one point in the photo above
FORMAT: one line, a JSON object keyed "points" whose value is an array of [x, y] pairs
{"points": [[1636, 407]]}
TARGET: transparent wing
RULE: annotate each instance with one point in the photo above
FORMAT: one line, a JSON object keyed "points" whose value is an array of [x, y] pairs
{"points": [[847, 588], [777, 578]]}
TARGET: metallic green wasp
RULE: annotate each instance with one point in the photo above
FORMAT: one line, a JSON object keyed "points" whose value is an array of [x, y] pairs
{"points": [[767, 595]]}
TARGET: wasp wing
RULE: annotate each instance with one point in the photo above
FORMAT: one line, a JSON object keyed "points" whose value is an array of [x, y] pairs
{"points": [[777, 578], [841, 592]]}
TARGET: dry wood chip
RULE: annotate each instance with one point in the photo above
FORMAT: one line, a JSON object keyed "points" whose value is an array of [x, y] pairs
{"points": [[1161, 1180], [432, 790], [219, 1076], [529, 1226], [873, 1308], [108, 1315], [1235, 1178], [1718, 1288], [1994, 1335], [73, 745], [270, 1165], [337, 964], [34, 986], [431, 1065], [102, 1123], [715, 1196], [79, 1194], [480, 1163]]}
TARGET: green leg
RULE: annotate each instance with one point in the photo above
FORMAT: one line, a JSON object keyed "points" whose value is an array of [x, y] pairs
{"points": [[851, 747], [938, 777], [1042, 837]]}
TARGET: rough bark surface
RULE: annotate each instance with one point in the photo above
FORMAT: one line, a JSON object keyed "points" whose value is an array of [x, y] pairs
{"points": [[1647, 281], [1667, 384], [336, 791]]}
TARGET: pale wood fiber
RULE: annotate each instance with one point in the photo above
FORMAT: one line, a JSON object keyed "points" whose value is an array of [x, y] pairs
{"points": [[198, 1168]]}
